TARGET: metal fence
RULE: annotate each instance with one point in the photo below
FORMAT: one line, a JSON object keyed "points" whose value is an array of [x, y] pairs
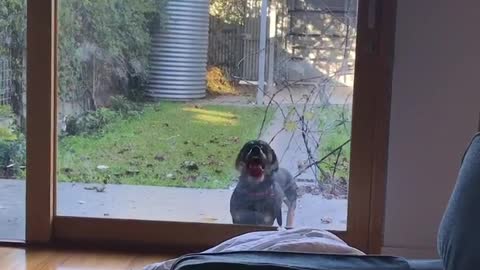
{"points": [[5, 80], [235, 47], [225, 46]]}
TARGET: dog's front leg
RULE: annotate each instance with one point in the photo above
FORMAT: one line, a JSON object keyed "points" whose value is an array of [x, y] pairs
{"points": [[290, 215]]}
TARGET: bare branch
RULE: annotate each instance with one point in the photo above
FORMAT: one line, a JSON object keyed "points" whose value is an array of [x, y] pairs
{"points": [[336, 163], [316, 163]]}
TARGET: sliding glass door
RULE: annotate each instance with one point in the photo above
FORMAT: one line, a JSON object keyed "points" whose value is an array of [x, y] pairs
{"points": [[151, 103]]}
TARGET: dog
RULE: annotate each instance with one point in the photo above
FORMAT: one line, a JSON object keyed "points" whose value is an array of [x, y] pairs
{"points": [[262, 187]]}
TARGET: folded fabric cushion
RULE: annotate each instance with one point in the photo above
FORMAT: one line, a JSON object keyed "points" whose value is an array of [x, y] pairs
{"points": [[296, 240]]}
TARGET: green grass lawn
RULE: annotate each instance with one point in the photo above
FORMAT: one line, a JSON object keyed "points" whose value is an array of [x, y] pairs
{"points": [[335, 126], [170, 144]]}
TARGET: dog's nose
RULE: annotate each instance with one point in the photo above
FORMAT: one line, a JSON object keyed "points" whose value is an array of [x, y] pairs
{"points": [[256, 150]]}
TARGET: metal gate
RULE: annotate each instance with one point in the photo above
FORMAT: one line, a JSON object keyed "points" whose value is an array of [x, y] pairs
{"points": [[5, 80], [235, 47], [225, 47]]}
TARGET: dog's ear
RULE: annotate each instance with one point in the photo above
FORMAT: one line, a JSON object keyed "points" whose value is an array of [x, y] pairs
{"points": [[239, 162], [274, 160], [272, 157]]}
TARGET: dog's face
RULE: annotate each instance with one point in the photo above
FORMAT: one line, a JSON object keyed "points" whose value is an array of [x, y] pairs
{"points": [[256, 160]]}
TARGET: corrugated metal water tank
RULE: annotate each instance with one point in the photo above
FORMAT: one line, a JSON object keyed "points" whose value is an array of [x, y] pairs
{"points": [[178, 60]]}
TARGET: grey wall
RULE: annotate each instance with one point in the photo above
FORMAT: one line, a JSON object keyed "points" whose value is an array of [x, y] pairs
{"points": [[435, 111]]}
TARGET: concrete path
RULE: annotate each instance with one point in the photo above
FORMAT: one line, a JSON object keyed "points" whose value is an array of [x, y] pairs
{"points": [[153, 203], [289, 145], [12, 209]]}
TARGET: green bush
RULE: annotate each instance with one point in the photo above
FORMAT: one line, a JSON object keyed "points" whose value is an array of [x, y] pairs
{"points": [[6, 134], [93, 122], [114, 33], [126, 107], [6, 111], [89, 123], [12, 157]]}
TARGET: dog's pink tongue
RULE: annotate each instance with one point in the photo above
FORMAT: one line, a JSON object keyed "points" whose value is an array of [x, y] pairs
{"points": [[256, 171]]}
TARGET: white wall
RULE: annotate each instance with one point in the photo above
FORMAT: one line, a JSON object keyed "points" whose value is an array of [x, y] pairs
{"points": [[435, 111]]}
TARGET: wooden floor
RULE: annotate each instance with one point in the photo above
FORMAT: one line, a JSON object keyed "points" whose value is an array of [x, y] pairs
{"points": [[44, 259]]}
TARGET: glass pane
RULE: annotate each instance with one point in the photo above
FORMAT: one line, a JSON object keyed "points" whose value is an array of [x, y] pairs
{"points": [[158, 98], [13, 22]]}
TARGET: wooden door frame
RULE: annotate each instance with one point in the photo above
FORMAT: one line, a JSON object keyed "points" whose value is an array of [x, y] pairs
{"points": [[41, 120], [370, 128]]}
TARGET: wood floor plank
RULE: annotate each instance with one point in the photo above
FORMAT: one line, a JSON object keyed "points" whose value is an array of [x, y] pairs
{"points": [[50, 259]]}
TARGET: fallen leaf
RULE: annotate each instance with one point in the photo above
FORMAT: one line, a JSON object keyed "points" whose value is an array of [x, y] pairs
{"points": [[326, 220], [190, 165], [308, 116], [328, 196], [209, 219], [160, 157], [123, 150], [290, 126], [214, 140], [134, 162], [132, 172], [191, 178], [234, 139], [67, 170]]}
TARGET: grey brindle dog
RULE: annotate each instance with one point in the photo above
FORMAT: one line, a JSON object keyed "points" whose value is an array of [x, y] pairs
{"points": [[262, 187]]}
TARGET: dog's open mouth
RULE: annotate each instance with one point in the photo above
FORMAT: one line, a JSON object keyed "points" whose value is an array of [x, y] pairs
{"points": [[255, 167]]}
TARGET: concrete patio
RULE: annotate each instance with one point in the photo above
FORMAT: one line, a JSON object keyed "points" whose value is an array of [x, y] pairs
{"points": [[153, 203]]}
